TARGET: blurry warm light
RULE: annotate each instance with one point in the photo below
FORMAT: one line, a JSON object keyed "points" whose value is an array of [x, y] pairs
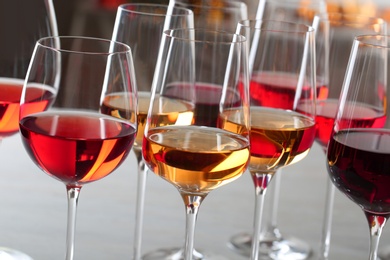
{"points": [[362, 7]]}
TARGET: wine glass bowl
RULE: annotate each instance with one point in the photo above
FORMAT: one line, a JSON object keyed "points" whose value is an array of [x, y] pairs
{"points": [[279, 245], [280, 135], [198, 154], [141, 25], [342, 29], [357, 152], [78, 116]]}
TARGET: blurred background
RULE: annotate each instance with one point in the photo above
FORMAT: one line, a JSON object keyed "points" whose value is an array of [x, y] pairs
{"points": [[95, 18]]}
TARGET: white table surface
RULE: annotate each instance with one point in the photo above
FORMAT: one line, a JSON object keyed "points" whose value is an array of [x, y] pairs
{"points": [[34, 207]]}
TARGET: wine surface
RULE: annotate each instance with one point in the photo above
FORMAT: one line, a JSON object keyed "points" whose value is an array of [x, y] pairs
{"points": [[11, 91], [76, 147], [195, 159], [363, 116], [170, 111], [277, 137], [359, 166]]}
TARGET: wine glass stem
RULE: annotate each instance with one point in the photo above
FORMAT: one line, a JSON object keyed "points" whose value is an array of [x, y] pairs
{"points": [[328, 216], [141, 187], [261, 184], [73, 196], [270, 231], [192, 203], [376, 224]]}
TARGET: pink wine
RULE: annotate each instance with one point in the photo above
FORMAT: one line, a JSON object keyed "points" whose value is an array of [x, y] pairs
{"points": [[11, 91], [195, 159], [76, 147], [364, 117], [277, 90], [358, 164], [207, 99]]}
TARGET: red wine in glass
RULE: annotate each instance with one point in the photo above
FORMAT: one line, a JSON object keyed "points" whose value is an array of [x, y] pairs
{"points": [[365, 117], [359, 164], [76, 147], [271, 89]]}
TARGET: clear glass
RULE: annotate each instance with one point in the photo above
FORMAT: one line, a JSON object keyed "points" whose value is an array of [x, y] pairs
{"points": [[197, 130], [220, 15], [147, 22], [358, 150], [342, 29], [274, 243], [283, 101], [223, 16], [79, 96], [23, 23]]}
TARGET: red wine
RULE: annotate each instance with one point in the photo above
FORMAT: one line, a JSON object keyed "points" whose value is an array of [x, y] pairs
{"points": [[11, 91], [277, 90], [359, 166], [277, 137], [207, 99], [76, 147], [364, 117]]}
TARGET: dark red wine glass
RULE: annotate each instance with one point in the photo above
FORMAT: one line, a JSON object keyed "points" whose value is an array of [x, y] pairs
{"points": [[358, 152]]}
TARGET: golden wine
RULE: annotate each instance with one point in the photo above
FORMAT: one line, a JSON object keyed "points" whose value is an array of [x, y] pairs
{"points": [[277, 137], [174, 111], [196, 159]]}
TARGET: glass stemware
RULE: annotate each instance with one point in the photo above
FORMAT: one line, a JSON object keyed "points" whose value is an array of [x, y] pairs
{"points": [[197, 131], [78, 112], [358, 150], [19, 30], [280, 136], [278, 245], [342, 29], [141, 27], [222, 15]]}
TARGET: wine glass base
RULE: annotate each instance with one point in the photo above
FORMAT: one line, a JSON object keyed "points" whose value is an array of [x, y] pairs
{"points": [[283, 249], [11, 254], [177, 254]]}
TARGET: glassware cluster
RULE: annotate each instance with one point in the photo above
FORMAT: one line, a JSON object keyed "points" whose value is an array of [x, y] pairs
{"points": [[202, 93]]}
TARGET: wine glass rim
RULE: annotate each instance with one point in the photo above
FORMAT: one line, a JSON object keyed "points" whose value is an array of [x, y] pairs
{"points": [[126, 8], [233, 37], [257, 24], [119, 46], [374, 40]]}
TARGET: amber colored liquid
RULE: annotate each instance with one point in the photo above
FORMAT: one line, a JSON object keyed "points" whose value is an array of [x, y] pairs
{"points": [[196, 159], [76, 147], [170, 111], [278, 137]]}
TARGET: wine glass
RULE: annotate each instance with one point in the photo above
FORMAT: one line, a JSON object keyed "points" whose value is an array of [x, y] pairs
{"points": [[78, 112], [20, 29], [222, 15], [197, 130], [358, 150], [282, 69], [147, 22], [342, 30], [273, 242]]}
